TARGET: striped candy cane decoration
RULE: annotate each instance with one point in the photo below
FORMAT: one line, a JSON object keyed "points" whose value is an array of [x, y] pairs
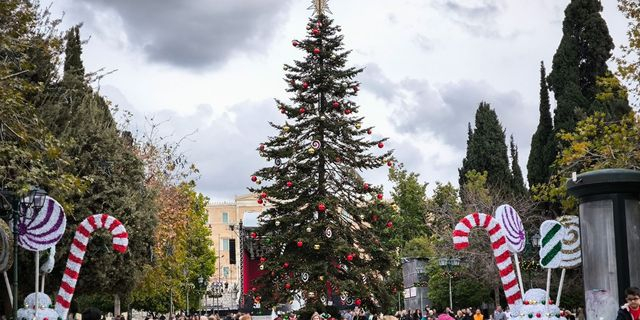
{"points": [[500, 251], [77, 250]]}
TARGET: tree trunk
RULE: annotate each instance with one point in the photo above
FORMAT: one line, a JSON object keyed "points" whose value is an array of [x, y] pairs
{"points": [[116, 305], [496, 292]]}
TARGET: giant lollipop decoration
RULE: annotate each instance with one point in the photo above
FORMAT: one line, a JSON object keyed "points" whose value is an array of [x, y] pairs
{"points": [[552, 234], [38, 231], [571, 256], [42, 230], [6, 258], [513, 230]]}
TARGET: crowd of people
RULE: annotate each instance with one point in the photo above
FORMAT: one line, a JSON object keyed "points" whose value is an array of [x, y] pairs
{"points": [[471, 314]]}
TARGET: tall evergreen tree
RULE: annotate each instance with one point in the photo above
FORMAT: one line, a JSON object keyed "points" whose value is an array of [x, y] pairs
{"points": [[518, 181], [322, 231], [542, 143], [487, 150], [81, 119], [579, 63]]}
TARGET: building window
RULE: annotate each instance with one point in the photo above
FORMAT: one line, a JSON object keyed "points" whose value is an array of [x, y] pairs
{"points": [[224, 245], [225, 272], [225, 218]]}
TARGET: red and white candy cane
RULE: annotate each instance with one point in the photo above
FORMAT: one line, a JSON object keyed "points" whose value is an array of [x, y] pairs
{"points": [[500, 251], [77, 250]]}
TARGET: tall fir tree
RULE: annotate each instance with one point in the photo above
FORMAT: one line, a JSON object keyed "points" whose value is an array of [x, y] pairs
{"points": [[81, 118], [542, 152], [323, 226], [487, 150], [518, 186], [580, 63]]}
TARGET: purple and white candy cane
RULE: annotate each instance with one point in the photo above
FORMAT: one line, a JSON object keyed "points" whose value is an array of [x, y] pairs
{"points": [[42, 230], [512, 227]]}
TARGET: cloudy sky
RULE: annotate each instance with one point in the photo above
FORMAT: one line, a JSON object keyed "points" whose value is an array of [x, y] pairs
{"points": [[210, 69]]}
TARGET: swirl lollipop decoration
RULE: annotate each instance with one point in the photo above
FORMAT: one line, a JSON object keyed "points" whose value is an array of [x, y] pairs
{"points": [[6, 258], [513, 230], [42, 230], [512, 227], [571, 255]]}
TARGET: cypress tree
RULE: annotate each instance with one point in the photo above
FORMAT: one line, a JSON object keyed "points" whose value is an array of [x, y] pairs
{"points": [[518, 181], [73, 53], [542, 143], [486, 150], [580, 64]]}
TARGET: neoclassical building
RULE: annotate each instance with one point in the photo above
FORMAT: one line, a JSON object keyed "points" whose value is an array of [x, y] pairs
{"points": [[223, 221]]}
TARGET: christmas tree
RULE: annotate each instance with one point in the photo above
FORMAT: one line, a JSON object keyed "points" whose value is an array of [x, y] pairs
{"points": [[322, 230]]}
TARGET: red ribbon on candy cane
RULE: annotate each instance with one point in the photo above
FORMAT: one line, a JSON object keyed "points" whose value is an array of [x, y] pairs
{"points": [[500, 251], [79, 247]]}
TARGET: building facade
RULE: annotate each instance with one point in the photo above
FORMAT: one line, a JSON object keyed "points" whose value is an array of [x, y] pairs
{"points": [[223, 222]]}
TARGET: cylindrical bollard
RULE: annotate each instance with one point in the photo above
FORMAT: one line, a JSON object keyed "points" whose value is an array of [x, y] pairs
{"points": [[610, 232]]}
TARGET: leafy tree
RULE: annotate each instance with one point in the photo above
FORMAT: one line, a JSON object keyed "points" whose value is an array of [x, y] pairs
{"points": [[628, 63], [486, 150], [518, 182], [315, 186], [579, 63], [542, 142], [597, 143], [409, 195]]}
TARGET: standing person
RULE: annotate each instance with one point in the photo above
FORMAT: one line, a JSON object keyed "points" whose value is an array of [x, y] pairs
{"points": [[498, 314], [478, 315], [631, 309], [459, 315]]}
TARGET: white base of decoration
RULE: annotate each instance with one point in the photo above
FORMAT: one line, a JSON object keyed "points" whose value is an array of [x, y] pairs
{"points": [[533, 307], [44, 310]]}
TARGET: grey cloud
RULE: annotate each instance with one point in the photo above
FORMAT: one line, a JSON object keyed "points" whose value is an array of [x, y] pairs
{"points": [[223, 146], [476, 17], [424, 43], [445, 110], [197, 33]]}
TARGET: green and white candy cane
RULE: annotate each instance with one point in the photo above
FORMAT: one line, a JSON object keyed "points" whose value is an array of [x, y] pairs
{"points": [[551, 235]]}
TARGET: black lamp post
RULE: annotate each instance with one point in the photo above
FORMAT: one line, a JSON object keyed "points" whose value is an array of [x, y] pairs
{"points": [[12, 208], [449, 263]]}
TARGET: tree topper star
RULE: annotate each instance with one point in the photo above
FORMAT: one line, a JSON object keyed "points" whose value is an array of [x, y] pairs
{"points": [[320, 7]]}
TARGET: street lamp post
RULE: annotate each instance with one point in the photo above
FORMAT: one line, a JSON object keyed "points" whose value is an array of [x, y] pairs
{"points": [[13, 207], [449, 263], [535, 243], [200, 282]]}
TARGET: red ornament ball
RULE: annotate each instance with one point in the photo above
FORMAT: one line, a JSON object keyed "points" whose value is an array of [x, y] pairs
{"points": [[389, 224], [369, 131], [316, 32], [286, 265], [538, 315], [263, 259], [254, 289], [355, 88], [260, 201], [366, 186], [305, 85], [390, 163], [380, 196], [289, 184], [287, 286], [336, 104], [262, 147], [321, 207], [254, 235], [380, 145], [254, 178], [302, 110], [283, 110], [263, 195], [358, 302], [550, 301], [299, 244], [295, 43], [347, 111], [526, 302], [374, 218], [316, 51], [562, 313], [349, 257]]}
